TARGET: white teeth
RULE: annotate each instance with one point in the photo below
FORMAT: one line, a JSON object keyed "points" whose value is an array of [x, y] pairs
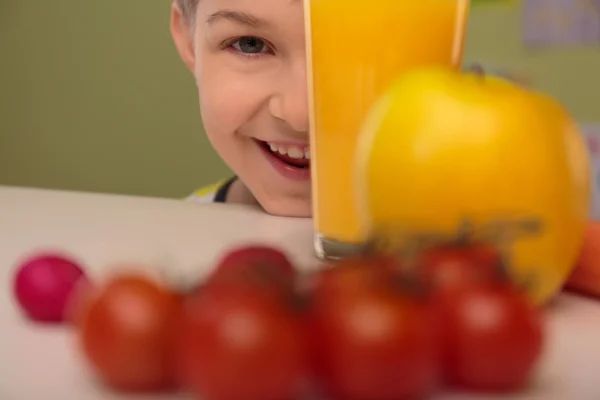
{"points": [[292, 151], [295, 152]]}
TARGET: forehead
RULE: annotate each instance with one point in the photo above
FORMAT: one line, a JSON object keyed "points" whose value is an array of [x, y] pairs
{"points": [[263, 12]]}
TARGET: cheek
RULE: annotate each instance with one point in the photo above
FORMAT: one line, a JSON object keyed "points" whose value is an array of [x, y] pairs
{"points": [[229, 95], [229, 100]]}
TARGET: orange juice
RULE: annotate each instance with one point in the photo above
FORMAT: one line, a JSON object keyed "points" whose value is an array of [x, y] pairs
{"points": [[355, 48]]}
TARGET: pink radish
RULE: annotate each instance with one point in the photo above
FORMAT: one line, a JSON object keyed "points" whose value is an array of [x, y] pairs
{"points": [[43, 285]]}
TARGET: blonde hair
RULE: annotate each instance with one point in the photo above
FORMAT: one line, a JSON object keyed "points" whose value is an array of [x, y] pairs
{"points": [[187, 7]]}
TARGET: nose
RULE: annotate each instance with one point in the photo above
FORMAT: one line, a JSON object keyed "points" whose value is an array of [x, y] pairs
{"points": [[290, 102]]}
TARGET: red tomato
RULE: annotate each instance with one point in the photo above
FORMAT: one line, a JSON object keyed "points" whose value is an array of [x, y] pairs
{"points": [[258, 255], [493, 337], [237, 344], [126, 333], [452, 265], [356, 273], [256, 264], [373, 343]]}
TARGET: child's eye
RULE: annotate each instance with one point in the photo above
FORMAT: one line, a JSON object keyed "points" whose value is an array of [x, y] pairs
{"points": [[250, 45]]}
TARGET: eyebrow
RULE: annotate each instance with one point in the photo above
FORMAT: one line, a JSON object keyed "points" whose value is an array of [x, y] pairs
{"points": [[237, 17]]}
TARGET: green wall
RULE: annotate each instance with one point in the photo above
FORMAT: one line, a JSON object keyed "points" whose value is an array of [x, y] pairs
{"points": [[93, 96], [572, 74]]}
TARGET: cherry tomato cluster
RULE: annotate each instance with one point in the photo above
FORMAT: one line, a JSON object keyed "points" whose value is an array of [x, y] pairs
{"points": [[385, 331], [363, 328]]}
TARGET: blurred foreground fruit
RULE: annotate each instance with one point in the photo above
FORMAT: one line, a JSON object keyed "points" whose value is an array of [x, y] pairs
{"points": [[235, 342], [441, 146], [125, 333], [370, 339], [43, 285], [256, 264], [586, 275], [493, 337], [364, 328], [355, 274], [257, 255], [450, 265]]}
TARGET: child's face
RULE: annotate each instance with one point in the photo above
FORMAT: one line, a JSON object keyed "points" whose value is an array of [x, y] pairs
{"points": [[248, 59]]}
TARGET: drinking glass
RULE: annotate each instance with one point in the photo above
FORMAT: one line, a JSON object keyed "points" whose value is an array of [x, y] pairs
{"points": [[355, 49]]}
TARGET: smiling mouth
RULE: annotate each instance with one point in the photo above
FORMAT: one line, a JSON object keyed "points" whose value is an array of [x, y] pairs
{"points": [[293, 156]]}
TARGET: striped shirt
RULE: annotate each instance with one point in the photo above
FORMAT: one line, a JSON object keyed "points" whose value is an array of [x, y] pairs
{"points": [[215, 193]]}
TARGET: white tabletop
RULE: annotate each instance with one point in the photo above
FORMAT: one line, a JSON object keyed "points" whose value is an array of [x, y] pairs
{"points": [[40, 362]]}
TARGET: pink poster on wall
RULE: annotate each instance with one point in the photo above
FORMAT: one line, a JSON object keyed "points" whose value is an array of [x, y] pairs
{"points": [[549, 23], [592, 136]]}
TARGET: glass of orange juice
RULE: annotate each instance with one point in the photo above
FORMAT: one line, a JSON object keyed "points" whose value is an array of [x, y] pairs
{"points": [[355, 49]]}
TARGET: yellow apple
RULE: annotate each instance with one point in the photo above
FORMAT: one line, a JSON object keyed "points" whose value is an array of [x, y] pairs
{"points": [[441, 146]]}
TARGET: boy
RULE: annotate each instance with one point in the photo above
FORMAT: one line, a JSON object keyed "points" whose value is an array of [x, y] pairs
{"points": [[248, 61]]}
